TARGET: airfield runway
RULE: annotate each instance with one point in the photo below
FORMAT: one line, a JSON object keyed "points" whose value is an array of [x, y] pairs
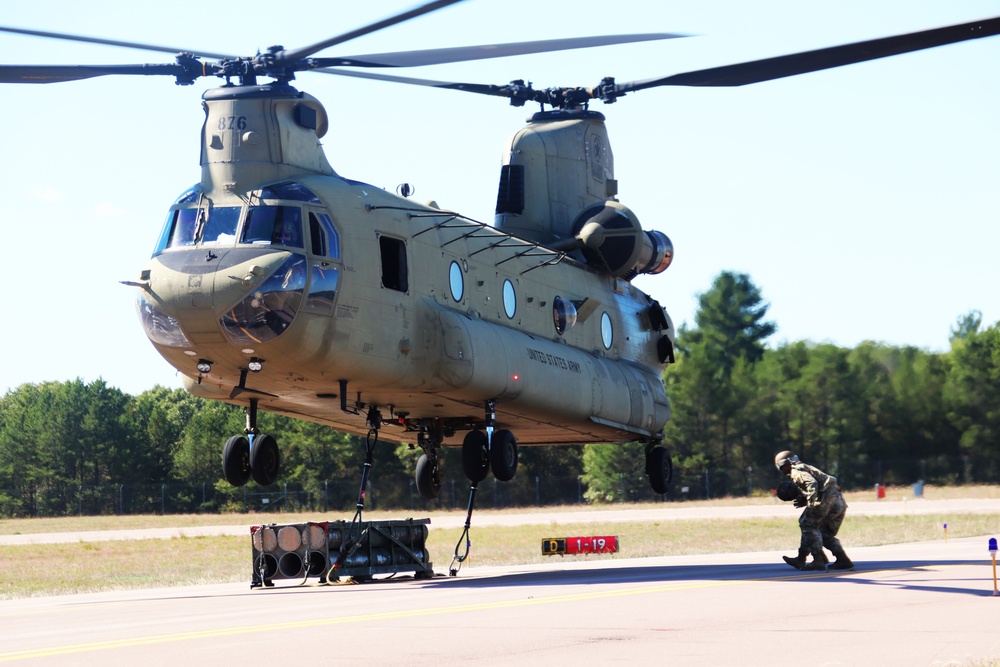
{"points": [[913, 604]]}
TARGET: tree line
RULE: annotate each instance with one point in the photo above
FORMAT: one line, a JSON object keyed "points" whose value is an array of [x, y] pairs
{"points": [[871, 414]]}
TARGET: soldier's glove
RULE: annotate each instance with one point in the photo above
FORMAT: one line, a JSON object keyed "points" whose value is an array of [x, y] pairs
{"points": [[799, 502]]}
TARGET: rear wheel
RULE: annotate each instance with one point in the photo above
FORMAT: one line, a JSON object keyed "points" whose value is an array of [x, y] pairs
{"points": [[476, 456], [660, 469], [503, 455]]}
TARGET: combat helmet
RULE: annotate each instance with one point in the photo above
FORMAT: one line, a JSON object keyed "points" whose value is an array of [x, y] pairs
{"points": [[781, 458]]}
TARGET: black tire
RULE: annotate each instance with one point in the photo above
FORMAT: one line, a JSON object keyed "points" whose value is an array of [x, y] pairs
{"points": [[427, 479], [503, 455], [236, 460], [476, 456], [660, 469], [265, 460]]}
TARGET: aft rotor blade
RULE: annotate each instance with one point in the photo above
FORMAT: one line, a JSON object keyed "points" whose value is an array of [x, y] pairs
{"points": [[62, 73], [812, 61], [112, 42], [484, 51], [306, 51]]}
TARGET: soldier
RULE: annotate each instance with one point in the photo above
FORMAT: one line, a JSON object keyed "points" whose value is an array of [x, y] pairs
{"points": [[820, 520]]}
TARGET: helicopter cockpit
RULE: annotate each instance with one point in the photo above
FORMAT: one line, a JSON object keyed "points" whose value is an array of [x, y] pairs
{"points": [[269, 220], [278, 228]]}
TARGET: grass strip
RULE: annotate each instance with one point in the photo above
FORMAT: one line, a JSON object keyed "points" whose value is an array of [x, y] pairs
{"points": [[82, 567]]}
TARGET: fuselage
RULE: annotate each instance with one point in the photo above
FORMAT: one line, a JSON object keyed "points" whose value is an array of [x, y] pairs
{"points": [[276, 279]]}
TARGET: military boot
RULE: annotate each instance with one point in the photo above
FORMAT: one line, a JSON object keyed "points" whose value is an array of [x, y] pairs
{"points": [[818, 563], [842, 562], [799, 561]]}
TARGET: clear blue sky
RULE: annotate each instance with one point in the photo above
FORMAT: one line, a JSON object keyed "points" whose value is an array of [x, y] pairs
{"points": [[863, 201]]}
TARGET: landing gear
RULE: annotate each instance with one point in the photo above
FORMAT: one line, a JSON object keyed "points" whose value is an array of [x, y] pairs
{"points": [[503, 455], [481, 451], [476, 456], [236, 460], [265, 460], [428, 476], [480, 454], [659, 468], [254, 456]]}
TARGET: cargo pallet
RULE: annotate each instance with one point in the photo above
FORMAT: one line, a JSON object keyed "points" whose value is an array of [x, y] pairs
{"points": [[329, 550]]}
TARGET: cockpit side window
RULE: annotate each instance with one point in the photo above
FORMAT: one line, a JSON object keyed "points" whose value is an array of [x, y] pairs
{"points": [[274, 225], [180, 228], [323, 236]]}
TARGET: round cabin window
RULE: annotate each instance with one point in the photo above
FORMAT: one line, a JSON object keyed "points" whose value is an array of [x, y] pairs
{"points": [[607, 332], [457, 281], [509, 299]]}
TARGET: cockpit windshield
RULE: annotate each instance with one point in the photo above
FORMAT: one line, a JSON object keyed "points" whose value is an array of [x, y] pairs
{"points": [[277, 225], [220, 224], [186, 227], [194, 220]]}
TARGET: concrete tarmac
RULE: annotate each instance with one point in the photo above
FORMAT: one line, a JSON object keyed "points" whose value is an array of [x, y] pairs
{"points": [[929, 603]]}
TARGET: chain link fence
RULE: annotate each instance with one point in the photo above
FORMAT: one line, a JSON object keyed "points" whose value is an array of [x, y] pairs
{"points": [[399, 493]]}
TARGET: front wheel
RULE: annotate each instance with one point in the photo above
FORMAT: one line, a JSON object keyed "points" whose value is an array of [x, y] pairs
{"points": [[427, 478], [236, 460], [265, 460]]}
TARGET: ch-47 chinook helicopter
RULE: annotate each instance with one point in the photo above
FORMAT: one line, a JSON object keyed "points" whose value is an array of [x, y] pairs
{"points": [[279, 284]]}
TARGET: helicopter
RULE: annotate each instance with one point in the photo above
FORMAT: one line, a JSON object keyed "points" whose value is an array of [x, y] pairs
{"points": [[386, 313]]}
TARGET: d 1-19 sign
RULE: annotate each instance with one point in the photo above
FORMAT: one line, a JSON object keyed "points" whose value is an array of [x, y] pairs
{"points": [[579, 545]]}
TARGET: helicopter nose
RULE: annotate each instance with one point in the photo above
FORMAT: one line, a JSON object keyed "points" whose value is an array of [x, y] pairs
{"points": [[268, 310], [249, 296]]}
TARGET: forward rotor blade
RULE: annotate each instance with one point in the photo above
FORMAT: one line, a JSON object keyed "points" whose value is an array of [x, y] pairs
{"points": [[306, 51], [480, 88], [484, 51], [812, 61], [62, 73], [113, 42]]}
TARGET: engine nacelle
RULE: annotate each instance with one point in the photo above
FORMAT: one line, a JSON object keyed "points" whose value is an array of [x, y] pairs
{"points": [[611, 239], [558, 164]]}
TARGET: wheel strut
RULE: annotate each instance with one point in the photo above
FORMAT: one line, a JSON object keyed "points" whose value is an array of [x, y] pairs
{"points": [[490, 421], [251, 413]]}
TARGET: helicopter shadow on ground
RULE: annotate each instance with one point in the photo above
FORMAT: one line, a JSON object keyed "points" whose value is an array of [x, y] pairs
{"points": [[916, 575]]}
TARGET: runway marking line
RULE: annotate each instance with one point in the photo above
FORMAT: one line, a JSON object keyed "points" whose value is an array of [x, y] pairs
{"points": [[381, 616], [430, 611]]}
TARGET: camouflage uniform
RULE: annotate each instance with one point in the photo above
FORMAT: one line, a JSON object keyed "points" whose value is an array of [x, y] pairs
{"points": [[824, 511]]}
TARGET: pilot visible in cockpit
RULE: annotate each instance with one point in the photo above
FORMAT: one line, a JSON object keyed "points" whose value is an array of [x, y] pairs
{"points": [[290, 234]]}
